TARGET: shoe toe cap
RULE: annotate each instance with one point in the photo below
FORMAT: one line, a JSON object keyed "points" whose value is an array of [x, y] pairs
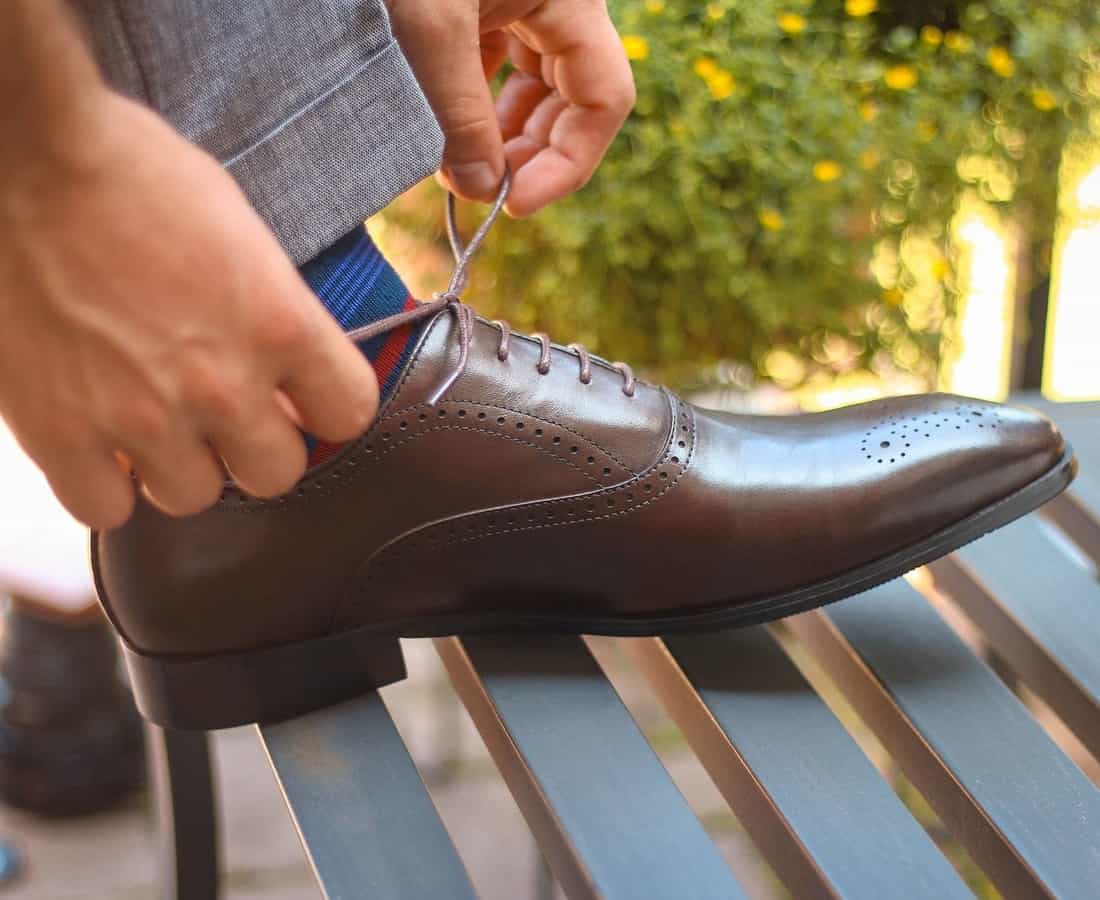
{"points": [[947, 457], [1007, 448]]}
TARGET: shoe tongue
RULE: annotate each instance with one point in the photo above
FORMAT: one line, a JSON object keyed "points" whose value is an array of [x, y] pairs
{"points": [[633, 430]]}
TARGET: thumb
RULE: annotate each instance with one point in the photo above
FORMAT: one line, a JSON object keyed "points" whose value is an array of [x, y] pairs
{"points": [[443, 50]]}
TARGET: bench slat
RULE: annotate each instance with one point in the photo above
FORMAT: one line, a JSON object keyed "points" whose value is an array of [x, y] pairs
{"points": [[1041, 612], [606, 814], [1022, 809], [790, 771], [365, 818]]}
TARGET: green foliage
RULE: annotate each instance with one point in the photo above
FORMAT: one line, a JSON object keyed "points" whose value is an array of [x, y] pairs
{"points": [[786, 161]]}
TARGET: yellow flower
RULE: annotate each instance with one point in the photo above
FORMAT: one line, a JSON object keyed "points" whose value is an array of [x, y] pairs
{"points": [[654, 7], [704, 67], [957, 41], [893, 297], [868, 110], [869, 158], [721, 84], [1001, 62], [931, 35], [791, 22], [940, 269], [771, 219], [900, 77], [860, 8], [1043, 99], [636, 46], [715, 11], [927, 129], [827, 170]]}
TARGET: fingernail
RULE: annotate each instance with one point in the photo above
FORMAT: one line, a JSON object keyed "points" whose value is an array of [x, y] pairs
{"points": [[476, 179]]}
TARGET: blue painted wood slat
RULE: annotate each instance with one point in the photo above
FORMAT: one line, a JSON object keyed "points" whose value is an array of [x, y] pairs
{"points": [[365, 818], [608, 817], [801, 786]]}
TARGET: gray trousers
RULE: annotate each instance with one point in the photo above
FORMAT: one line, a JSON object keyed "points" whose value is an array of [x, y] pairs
{"points": [[309, 104]]}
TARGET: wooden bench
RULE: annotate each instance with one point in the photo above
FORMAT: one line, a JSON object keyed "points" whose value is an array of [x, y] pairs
{"points": [[611, 822]]}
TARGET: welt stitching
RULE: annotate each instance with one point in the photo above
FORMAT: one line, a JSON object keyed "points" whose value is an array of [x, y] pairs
{"points": [[388, 555]]}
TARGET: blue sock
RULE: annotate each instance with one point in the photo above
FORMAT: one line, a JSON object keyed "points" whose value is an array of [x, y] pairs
{"points": [[357, 286]]}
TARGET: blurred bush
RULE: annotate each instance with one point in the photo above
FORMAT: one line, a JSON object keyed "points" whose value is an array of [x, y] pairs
{"points": [[783, 194]]}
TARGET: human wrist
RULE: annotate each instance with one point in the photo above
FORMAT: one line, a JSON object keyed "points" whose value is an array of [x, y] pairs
{"points": [[52, 97]]}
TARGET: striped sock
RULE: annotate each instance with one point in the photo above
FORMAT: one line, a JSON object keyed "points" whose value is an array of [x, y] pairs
{"points": [[357, 286]]}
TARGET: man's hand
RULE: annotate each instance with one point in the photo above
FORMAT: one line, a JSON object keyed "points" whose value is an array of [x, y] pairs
{"points": [[556, 114], [148, 318]]}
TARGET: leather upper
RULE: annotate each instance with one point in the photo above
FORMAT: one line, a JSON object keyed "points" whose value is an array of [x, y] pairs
{"points": [[537, 493]]}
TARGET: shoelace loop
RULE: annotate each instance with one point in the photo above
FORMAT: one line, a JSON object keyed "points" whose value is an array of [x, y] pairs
{"points": [[450, 300]]}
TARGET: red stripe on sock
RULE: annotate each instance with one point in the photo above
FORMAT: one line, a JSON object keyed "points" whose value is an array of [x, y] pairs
{"points": [[390, 354], [322, 451]]}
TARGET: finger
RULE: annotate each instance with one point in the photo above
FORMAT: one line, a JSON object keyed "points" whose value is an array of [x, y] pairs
{"points": [[88, 481], [536, 132], [519, 97], [329, 383], [267, 456], [441, 45], [332, 389], [494, 50], [182, 477], [590, 70], [524, 58]]}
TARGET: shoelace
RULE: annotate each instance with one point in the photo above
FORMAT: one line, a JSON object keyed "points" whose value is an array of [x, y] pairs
{"points": [[450, 300]]}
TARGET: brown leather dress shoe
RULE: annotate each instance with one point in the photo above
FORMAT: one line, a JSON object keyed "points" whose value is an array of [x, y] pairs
{"points": [[510, 483]]}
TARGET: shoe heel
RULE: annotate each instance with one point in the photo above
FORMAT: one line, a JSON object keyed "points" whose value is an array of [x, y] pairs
{"points": [[267, 685]]}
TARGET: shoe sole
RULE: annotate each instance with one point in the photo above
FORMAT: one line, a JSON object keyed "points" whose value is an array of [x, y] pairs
{"points": [[281, 682]]}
